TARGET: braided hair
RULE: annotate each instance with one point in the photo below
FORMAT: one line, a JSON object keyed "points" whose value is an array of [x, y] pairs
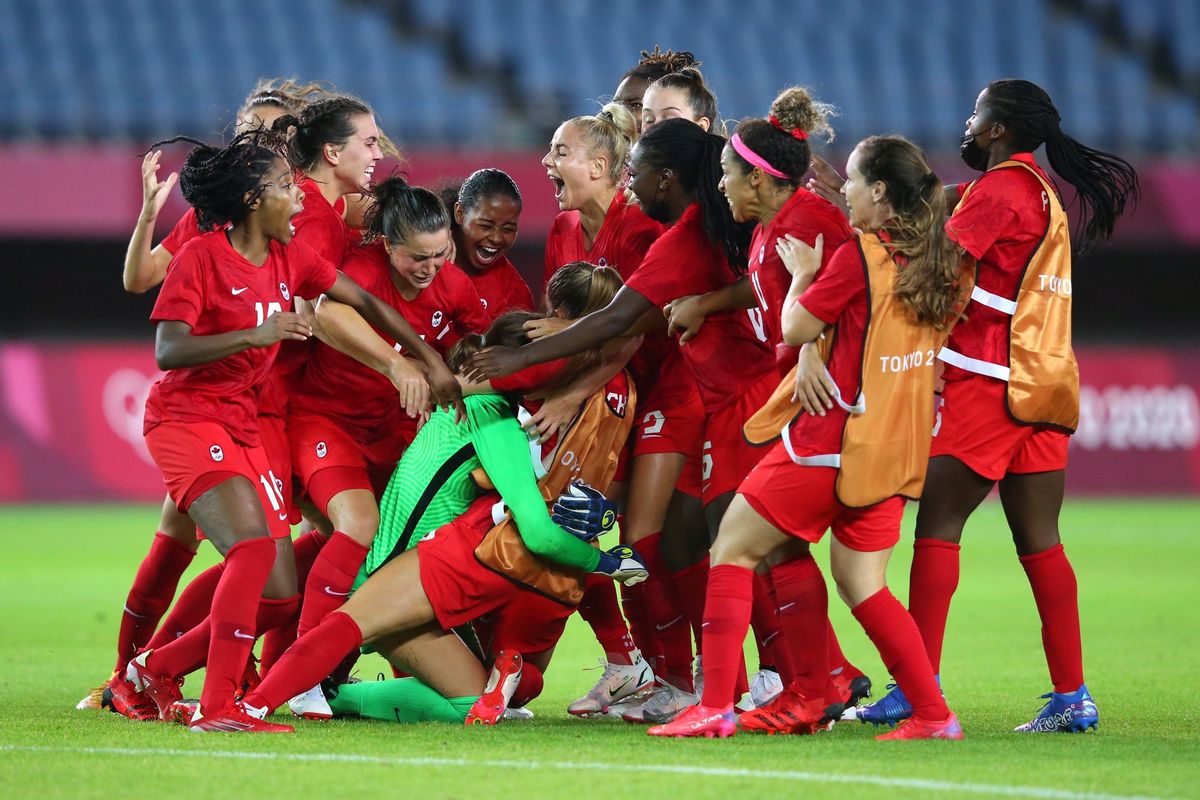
{"points": [[1103, 182], [329, 120], [782, 138], [221, 183], [694, 155], [654, 65]]}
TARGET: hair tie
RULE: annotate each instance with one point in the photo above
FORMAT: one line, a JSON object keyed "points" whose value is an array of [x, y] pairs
{"points": [[795, 133]]}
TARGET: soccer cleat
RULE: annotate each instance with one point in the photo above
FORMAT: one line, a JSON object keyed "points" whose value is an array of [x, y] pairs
{"points": [[121, 696], [791, 713], [618, 683], [502, 683], [663, 705], [182, 712], [235, 719], [917, 728], [699, 721], [1065, 713], [96, 699], [518, 714], [311, 705], [698, 674], [851, 688], [250, 678], [893, 707], [161, 689], [765, 686]]}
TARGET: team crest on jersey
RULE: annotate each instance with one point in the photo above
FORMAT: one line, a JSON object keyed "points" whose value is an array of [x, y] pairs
{"points": [[437, 318], [762, 253], [283, 290], [322, 450], [216, 452], [483, 303], [602, 262]]}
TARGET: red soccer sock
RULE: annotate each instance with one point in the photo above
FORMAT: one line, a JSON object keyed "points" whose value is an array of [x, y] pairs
{"points": [[274, 612], [691, 586], [151, 593], [330, 579], [726, 616], [896, 637], [308, 661], [641, 627], [599, 608], [192, 607], [233, 619], [772, 650], [529, 687], [932, 581], [803, 614], [279, 638], [670, 622], [184, 654], [1057, 596], [306, 549]]}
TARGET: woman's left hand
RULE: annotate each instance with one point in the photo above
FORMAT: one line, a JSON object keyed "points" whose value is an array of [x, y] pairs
{"points": [[555, 414], [493, 362], [797, 256], [538, 328]]}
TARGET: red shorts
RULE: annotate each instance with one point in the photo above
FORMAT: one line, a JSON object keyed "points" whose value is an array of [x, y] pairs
{"points": [[529, 623], [327, 460], [196, 456], [460, 589], [728, 457], [973, 426], [802, 502], [279, 456], [677, 428]]}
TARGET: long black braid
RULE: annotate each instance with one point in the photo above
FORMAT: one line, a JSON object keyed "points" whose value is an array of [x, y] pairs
{"points": [[1103, 182], [694, 155], [222, 182]]}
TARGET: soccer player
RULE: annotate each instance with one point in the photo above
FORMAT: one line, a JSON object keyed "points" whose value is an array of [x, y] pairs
{"points": [[650, 67], [598, 224], [681, 94], [219, 318], [486, 212], [424, 585], [1011, 397], [891, 293]]}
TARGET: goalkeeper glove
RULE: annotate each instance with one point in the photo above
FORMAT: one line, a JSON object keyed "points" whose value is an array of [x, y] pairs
{"points": [[622, 563], [584, 512]]}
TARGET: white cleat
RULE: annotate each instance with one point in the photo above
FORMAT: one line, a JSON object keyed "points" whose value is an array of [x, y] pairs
{"points": [[518, 714], [311, 705], [663, 705], [619, 683], [765, 686]]}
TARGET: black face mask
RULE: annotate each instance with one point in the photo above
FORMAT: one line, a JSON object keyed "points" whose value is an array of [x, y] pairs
{"points": [[972, 154]]}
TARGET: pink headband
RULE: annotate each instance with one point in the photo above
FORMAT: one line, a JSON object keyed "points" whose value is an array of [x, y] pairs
{"points": [[754, 159]]}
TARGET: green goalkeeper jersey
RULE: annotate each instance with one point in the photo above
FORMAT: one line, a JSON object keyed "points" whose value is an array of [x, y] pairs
{"points": [[432, 485]]}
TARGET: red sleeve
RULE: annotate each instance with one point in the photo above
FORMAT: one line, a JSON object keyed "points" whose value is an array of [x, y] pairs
{"points": [[325, 234], [314, 273], [841, 281], [186, 229], [987, 213], [181, 297], [660, 278], [530, 377], [469, 311], [636, 244]]}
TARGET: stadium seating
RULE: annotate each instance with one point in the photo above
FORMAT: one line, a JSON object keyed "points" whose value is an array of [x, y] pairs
{"points": [[439, 72]]}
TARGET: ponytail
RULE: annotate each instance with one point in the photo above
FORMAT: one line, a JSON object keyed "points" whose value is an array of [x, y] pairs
{"points": [[611, 133], [928, 283], [402, 211], [1104, 183]]}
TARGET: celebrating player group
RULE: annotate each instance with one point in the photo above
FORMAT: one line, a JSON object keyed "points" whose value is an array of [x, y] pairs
{"points": [[736, 347]]}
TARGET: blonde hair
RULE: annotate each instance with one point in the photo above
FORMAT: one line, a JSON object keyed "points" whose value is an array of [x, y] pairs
{"points": [[579, 288], [611, 134]]}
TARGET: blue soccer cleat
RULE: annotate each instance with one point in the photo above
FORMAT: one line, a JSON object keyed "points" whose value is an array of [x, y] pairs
{"points": [[1065, 713], [893, 707]]}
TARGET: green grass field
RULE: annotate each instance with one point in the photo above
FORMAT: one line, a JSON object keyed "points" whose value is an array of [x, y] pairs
{"points": [[65, 572]]}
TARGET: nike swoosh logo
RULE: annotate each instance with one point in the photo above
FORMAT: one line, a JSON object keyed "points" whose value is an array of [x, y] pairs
{"points": [[238, 633], [133, 613], [328, 590], [613, 692], [239, 291], [669, 624], [283, 517]]}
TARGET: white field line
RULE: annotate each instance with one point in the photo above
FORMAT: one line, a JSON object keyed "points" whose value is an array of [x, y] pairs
{"points": [[597, 766]]}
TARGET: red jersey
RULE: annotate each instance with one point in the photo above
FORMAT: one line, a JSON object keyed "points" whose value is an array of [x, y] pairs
{"points": [[321, 225], [501, 288], [804, 215], [621, 242], [362, 401], [727, 354], [212, 288], [1001, 225], [838, 295], [184, 231]]}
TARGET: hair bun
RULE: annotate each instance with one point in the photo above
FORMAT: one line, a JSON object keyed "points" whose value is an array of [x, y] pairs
{"points": [[795, 110]]}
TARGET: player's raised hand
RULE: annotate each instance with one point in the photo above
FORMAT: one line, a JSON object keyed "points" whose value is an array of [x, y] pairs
{"points": [[493, 362], [154, 191], [685, 316], [280, 326], [827, 183], [798, 257]]}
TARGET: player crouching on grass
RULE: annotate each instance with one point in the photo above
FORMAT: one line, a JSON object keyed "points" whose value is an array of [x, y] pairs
{"points": [[891, 293], [220, 322], [438, 576]]}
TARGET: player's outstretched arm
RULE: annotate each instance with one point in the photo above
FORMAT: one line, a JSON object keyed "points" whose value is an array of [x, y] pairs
{"points": [[145, 268], [686, 315], [175, 346]]}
